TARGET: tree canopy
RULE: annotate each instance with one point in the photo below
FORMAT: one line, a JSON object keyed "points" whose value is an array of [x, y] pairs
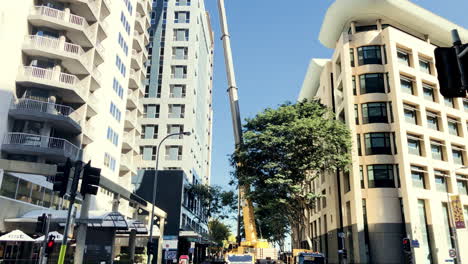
{"points": [[218, 232], [284, 150], [218, 203]]}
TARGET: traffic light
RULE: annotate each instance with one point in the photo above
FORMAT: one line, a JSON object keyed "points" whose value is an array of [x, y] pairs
{"points": [[91, 178], [61, 178], [50, 245], [41, 223], [448, 72], [406, 245], [151, 247]]}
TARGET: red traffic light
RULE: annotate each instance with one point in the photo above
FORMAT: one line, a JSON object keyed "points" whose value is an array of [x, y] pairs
{"points": [[405, 241], [50, 243]]}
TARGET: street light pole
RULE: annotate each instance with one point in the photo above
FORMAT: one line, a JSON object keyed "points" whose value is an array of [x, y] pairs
{"points": [[155, 186], [453, 228]]}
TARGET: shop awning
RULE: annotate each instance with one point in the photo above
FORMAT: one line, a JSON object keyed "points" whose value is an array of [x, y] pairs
{"points": [[16, 236], [57, 235]]}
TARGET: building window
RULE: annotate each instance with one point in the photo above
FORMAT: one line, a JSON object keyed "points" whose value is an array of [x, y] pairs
{"points": [[361, 174], [453, 126], [182, 17], [353, 79], [441, 180], [358, 142], [418, 175], [403, 57], [458, 155], [151, 111], [112, 136], [148, 152], [109, 161], [183, 2], [356, 114], [410, 113], [176, 111], [465, 105], [177, 91], [372, 83], [381, 176], [377, 143], [351, 56], [433, 120], [180, 53], [173, 152], [115, 112], [172, 129], [149, 131], [369, 55], [437, 150], [374, 113], [179, 72], [406, 85], [181, 35], [462, 184], [366, 28], [449, 102], [428, 91], [425, 66], [414, 144]]}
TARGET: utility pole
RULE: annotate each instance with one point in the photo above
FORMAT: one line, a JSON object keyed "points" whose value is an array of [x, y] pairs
{"points": [[42, 255], [74, 186], [82, 229]]}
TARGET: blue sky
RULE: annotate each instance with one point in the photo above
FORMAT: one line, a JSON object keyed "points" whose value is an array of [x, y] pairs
{"points": [[272, 44]]}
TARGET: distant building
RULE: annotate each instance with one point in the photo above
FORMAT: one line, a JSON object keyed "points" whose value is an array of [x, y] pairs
{"points": [[408, 140], [178, 97]]}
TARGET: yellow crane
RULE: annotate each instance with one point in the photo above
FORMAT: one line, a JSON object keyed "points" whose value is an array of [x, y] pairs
{"points": [[251, 244]]}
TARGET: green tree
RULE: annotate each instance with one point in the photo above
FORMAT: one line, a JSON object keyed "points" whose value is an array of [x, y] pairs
{"points": [[284, 150], [219, 204], [218, 232]]}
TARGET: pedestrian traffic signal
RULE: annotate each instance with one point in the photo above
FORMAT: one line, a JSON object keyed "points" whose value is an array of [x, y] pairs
{"points": [[406, 245], [61, 178], [50, 245], [91, 179], [41, 223], [448, 71]]}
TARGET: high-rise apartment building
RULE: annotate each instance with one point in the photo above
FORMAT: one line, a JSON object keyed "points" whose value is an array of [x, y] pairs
{"points": [[178, 97], [71, 85], [409, 142]]}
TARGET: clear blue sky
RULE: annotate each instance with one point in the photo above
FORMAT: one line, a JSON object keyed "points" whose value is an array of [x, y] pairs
{"points": [[272, 44]]}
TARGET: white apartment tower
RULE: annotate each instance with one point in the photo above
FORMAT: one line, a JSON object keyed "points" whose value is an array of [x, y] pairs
{"points": [[178, 93], [72, 78], [409, 142]]}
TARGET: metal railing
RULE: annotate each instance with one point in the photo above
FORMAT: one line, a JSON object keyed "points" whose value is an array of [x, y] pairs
{"points": [[100, 48], [44, 107], [24, 139], [61, 15], [131, 96], [134, 75], [131, 116]]}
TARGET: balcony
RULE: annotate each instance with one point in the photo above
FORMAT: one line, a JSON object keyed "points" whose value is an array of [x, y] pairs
{"points": [[137, 60], [99, 55], [135, 79], [93, 105], [61, 117], [126, 163], [128, 142], [76, 27], [103, 30], [132, 100], [56, 149], [96, 80], [105, 8], [139, 23], [65, 85], [138, 41], [130, 119], [73, 57], [89, 133]]}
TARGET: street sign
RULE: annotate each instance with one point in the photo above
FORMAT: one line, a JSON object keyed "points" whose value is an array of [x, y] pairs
{"points": [[415, 243], [452, 253]]}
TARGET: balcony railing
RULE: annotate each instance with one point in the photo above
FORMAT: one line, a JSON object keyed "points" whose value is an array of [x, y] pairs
{"points": [[44, 142], [44, 107], [53, 44], [131, 96], [50, 75], [100, 48], [61, 15]]}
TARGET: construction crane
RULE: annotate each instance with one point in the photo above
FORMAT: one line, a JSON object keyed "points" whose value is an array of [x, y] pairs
{"points": [[251, 243]]}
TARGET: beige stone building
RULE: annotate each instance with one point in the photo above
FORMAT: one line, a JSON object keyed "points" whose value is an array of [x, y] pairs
{"points": [[409, 142]]}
